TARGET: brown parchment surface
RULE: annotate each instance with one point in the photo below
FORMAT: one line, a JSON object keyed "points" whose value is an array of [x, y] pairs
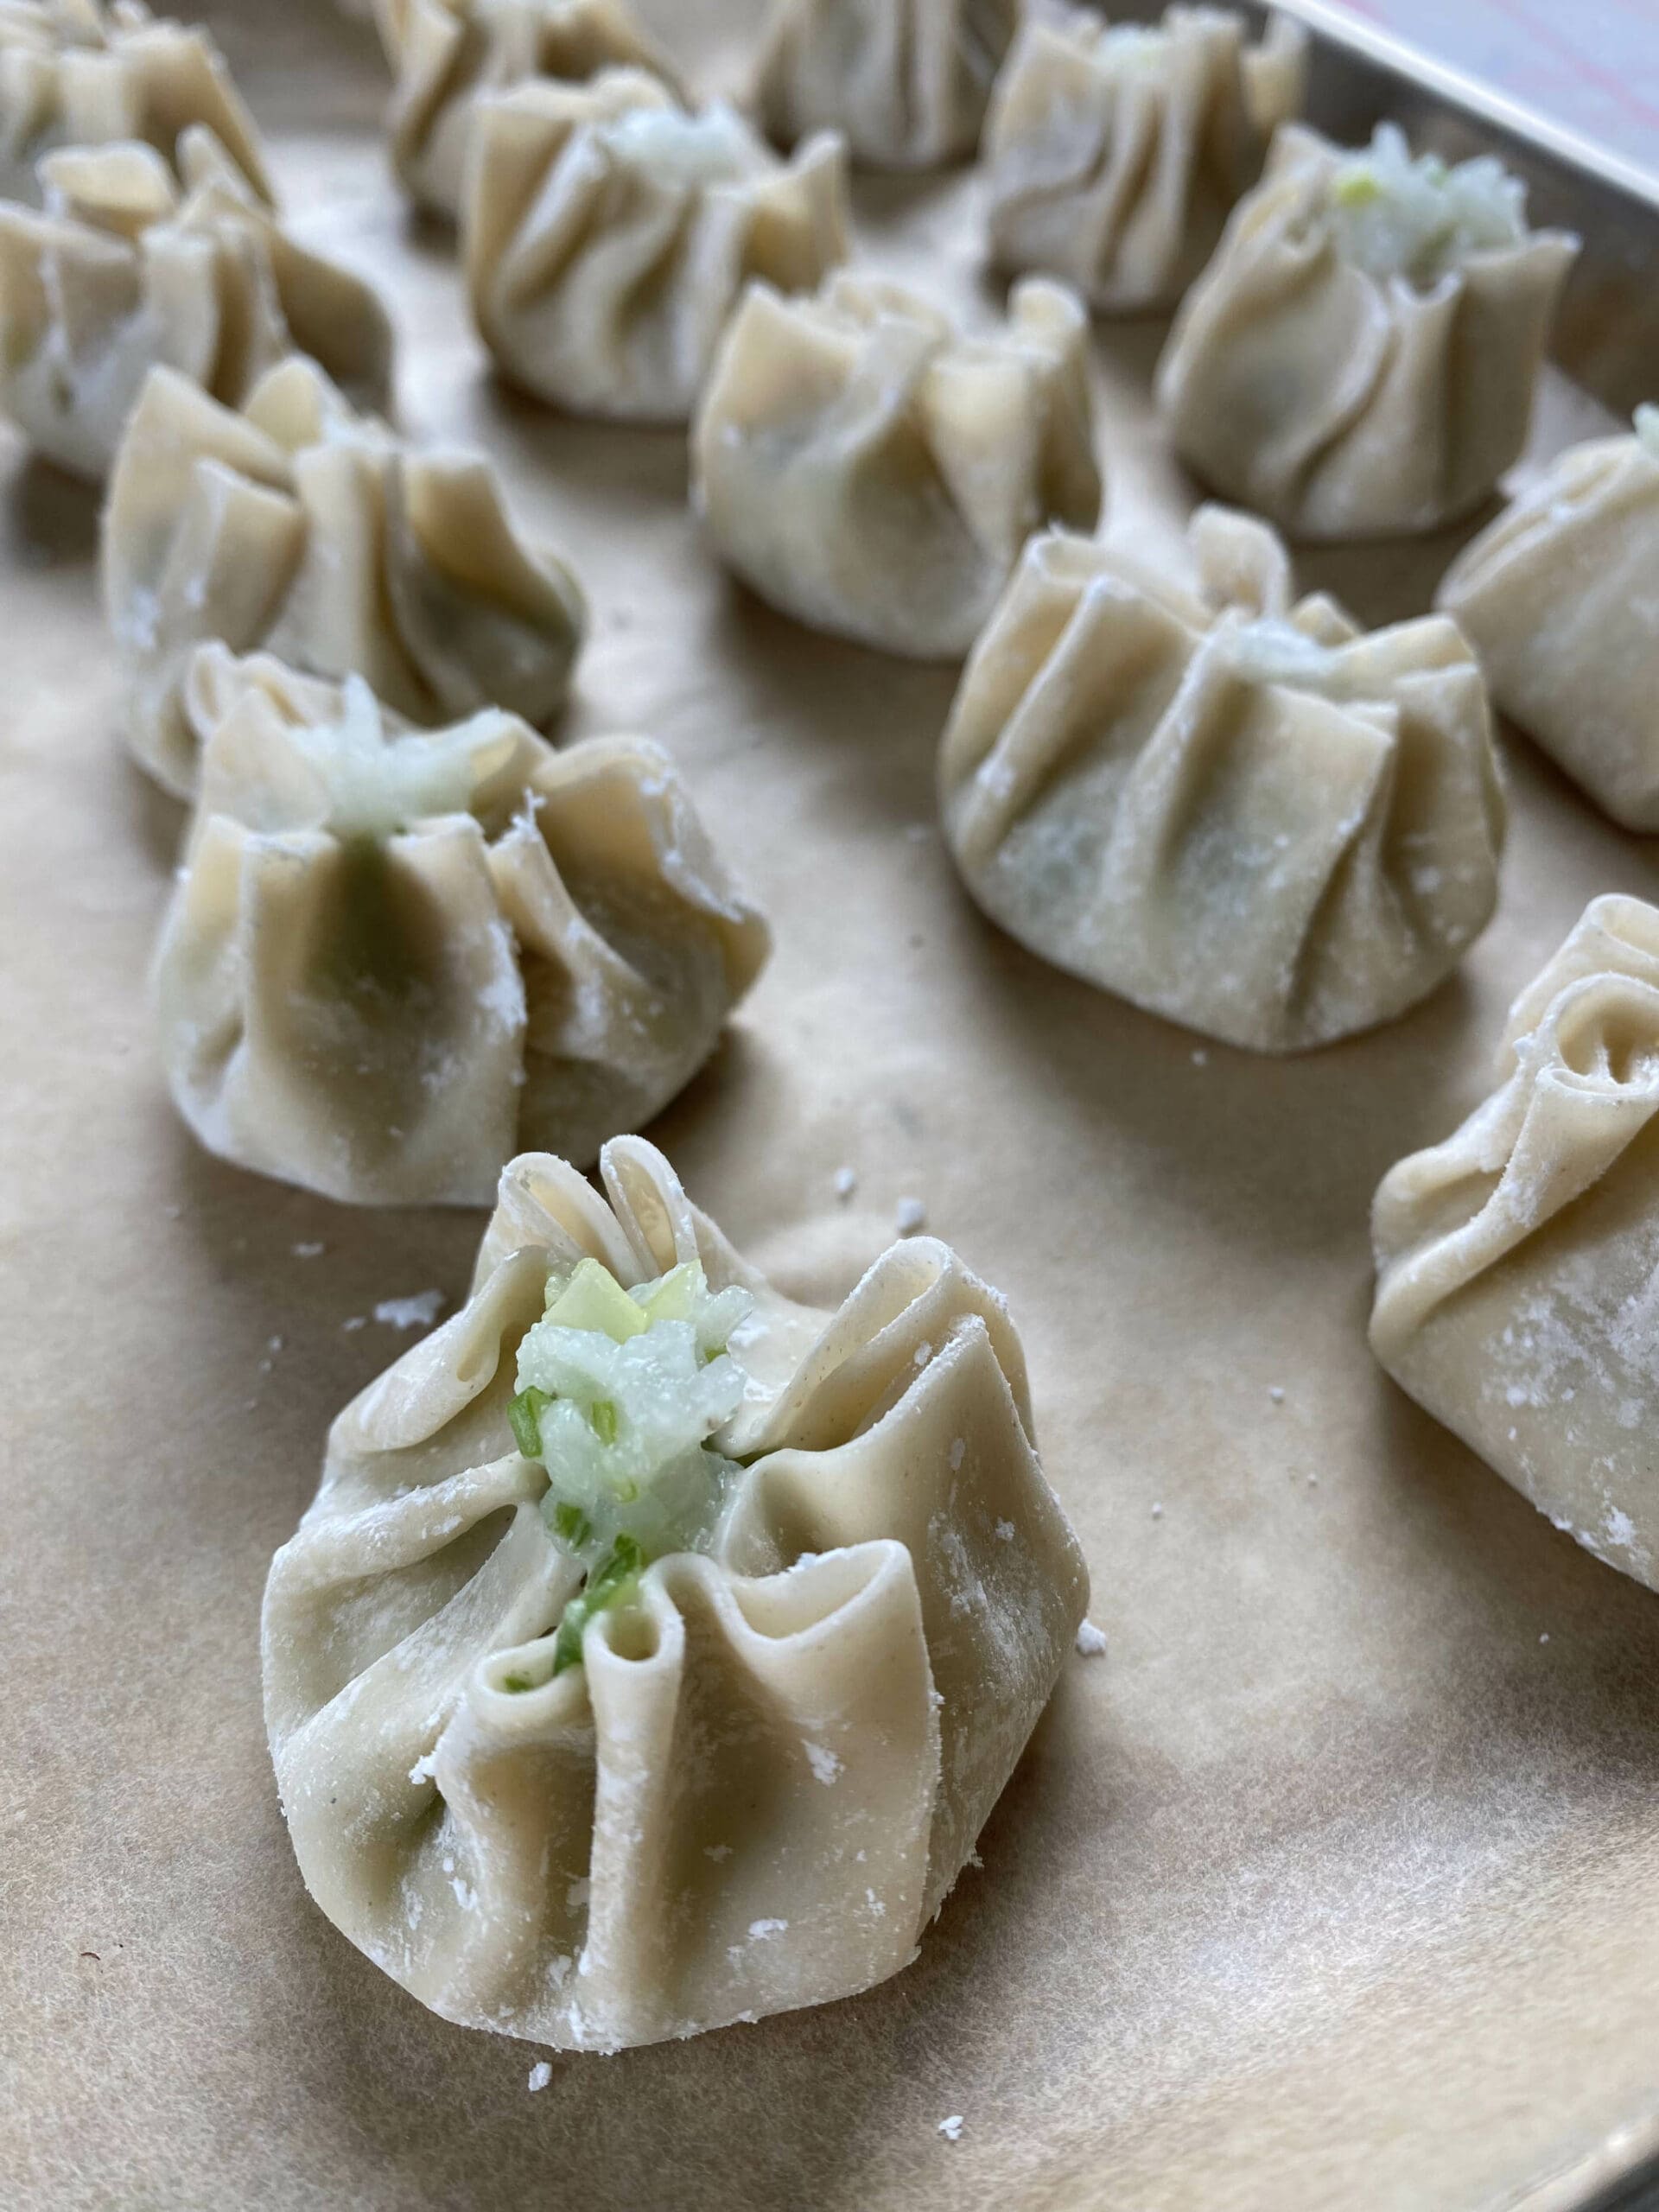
{"points": [[1333, 1884]]}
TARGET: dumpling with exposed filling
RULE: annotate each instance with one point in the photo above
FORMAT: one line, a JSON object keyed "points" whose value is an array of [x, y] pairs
{"points": [[1360, 357], [655, 1648], [394, 957], [607, 233]]}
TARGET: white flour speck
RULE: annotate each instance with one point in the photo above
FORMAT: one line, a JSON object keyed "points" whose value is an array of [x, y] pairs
{"points": [[951, 2128], [846, 1182], [759, 1929], [1092, 1641], [1157, 1512], [417, 1313], [823, 1761], [1005, 1532], [310, 1251], [540, 2074], [958, 1448], [1275, 1391], [911, 1216]]}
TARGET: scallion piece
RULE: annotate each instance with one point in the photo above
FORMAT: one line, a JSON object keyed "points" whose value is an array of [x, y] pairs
{"points": [[525, 1417]]}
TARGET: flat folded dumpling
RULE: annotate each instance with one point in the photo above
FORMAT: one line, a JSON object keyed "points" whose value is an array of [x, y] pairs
{"points": [[122, 272], [905, 81], [1517, 1294], [871, 470], [297, 526], [1240, 812], [393, 958], [607, 234], [1360, 357], [1559, 597], [447, 55], [655, 1648], [1117, 153], [77, 73]]}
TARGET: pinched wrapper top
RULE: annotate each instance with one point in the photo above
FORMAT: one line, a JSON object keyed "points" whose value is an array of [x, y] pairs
{"points": [[873, 470], [125, 271], [905, 81], [544, 952], [1341, 404], [447, 54], [757, 1800], [600, 271], [295, 526], [1237, 810], [1115, 157], [1559, 596], [73, 73], [1517, 1295]]}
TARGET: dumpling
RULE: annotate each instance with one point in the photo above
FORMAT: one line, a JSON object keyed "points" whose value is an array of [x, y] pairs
{"points": [[1117, 153], [297, 526], [905, 80], [120, 272], [1240, 812], [448, 54], [76, 73], [1517, 1294], [606, 234], [392, 958], [1359, 358], [1561, 598], [655, 1648], [868, 469]]}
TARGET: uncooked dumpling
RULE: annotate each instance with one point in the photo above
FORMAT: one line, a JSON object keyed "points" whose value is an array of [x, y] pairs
{"points": [[1517, 1293], [655, 1648], [393, 958], [904, 80], [1561, 598], [1117, 153], [1234, 809], [77, 73], [122, 271], [447, 55], [607, 234], [297, 526], [1359, 358], [870, 469]]}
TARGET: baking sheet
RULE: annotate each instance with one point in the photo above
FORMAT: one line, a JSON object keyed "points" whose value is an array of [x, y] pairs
{"points": [[1332, 1884]]}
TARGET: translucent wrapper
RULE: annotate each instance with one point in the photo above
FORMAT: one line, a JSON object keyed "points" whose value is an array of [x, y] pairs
{"points": [[294, 526], [608, 234], [447, 54], [870, 469], [1242, 812], [1517, 1293], [1340, 404], [1559, 596], [905, 80], [78, 73], [1115, 155], [756, 1789], [391, 960], [123, 272]]}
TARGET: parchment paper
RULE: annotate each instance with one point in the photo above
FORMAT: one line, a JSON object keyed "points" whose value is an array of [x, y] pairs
{"points": [[1332, 1884]]}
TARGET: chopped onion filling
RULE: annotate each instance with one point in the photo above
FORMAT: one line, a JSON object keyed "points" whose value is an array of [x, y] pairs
{"points": [[619, 1393], [1395, 215], [712, 148], [378, 785]]}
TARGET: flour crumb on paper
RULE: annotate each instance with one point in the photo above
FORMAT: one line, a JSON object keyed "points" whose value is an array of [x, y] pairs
{"points": [[540, 2074], [846, 1183], [417, 1313], [911, 1216], [951, 2128], [1092, 1641]]}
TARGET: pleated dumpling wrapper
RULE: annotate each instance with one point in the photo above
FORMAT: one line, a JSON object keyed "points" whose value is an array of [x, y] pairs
{"points": [[297, 526], [1559, 597], [447, 55], [655, 1648], [121, 273], [607, 234], [905, 81], [392, 957], [1117, 153], [1517, 1295], [1240, 811], [870, 469], [1360, 357], [76, 73]]}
